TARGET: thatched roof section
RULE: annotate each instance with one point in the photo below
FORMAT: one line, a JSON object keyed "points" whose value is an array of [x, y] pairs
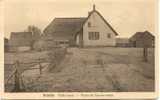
{"points": [[20, 39], [64, 27]]}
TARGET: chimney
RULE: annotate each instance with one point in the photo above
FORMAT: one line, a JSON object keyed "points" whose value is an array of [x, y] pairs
{"points": [[94, 7]]}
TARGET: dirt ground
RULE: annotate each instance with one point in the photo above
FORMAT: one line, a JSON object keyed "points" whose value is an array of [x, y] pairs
{"points": [[97, 70]]}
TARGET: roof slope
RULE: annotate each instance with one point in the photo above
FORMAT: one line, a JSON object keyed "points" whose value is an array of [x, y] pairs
{"points": [[68, 27], [64, 27], [20, 39], [94, 10]]}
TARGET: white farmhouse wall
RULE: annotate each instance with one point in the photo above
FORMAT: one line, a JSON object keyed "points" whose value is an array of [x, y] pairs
{"points": [[98, 25]]}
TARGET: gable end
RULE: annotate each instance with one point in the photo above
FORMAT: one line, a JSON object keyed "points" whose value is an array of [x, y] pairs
{"points": [[102, 19]]}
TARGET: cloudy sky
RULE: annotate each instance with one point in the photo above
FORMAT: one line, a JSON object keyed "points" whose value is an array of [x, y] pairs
{"points": [[125, 16]]}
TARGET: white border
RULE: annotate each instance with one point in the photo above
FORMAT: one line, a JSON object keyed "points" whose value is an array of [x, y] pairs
{"points": [[78, 95]]}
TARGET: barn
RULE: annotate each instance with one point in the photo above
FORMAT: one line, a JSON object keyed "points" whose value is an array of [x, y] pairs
{"points": [[20, 41], [141, 39], [93, 30]]}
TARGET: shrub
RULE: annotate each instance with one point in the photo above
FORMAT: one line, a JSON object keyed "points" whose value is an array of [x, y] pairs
{"points": [[56, 55]]}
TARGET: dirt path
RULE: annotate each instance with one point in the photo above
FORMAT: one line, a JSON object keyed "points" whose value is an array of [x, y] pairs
{"points": [[89, 71]]}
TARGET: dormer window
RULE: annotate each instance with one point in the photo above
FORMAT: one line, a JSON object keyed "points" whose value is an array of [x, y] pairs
{"points": [[89, 24]]}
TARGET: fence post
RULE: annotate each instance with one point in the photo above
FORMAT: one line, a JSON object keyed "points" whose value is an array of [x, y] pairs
{"points": [[40, 67], [55, 58], [145, 54], [17, 87]]}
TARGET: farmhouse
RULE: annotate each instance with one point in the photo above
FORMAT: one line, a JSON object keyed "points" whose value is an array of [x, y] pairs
{"points": [[93, 30], [20, 41], [141, 39]]}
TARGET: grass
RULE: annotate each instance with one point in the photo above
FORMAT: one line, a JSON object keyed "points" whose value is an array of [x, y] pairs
{"points": [[26, 59], [94, 70]]}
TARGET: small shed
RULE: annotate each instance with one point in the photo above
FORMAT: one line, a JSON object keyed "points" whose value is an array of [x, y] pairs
{"points": [[20, 41], [142, 39]]}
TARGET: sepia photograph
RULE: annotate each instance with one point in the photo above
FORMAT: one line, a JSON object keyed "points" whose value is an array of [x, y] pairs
{"points": [[79, 46]]}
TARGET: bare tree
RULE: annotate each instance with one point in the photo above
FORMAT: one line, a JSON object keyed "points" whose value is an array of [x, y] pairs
{"points": [[36, 33]]}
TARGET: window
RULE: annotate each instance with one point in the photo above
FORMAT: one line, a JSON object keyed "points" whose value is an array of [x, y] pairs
{"points": [[109, 35], [66, 42], [93, 35], [61, 42], [89, 24]]}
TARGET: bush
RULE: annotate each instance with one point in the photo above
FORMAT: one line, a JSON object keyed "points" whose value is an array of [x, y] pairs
{"points": [[39, 45], [55, 57]]}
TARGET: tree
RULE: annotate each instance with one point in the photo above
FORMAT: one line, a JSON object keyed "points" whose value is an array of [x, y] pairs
{"points": [[36, 33]]}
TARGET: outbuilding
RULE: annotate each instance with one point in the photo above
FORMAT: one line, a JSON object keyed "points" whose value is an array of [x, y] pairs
{"points": [[92, 30], [142, 39], [20, 41]]}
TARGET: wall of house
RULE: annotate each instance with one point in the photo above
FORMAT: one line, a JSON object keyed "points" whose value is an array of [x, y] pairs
{"points": [[142, 42], [24, 48], [79, 39], [98, 25], [12, 49], [19, 48], [72, 42]]}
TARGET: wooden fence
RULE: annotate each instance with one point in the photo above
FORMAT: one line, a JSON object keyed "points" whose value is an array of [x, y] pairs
{"points": [[54, 57], [19, 85]]}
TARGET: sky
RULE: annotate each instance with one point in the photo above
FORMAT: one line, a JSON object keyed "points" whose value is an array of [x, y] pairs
{"points": [[125, 16]]}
